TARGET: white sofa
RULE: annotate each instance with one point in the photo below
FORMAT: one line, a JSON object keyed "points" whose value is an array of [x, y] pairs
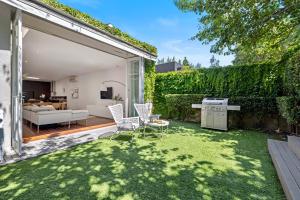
{"points": [[80, 115], [51, 117], [44, 117]]}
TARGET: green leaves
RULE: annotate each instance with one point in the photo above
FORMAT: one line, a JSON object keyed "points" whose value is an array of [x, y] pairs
{"points": [[257, 28], [262, 80], [289, 108], [98, 24], [179, 106], [149, 80]]}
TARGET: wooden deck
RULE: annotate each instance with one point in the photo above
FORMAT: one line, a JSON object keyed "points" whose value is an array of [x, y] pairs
{"points": [[287, 164], [56, 130]]}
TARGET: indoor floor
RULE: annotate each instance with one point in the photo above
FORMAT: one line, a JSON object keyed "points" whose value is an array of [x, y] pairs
{"points": [[55, 130]]}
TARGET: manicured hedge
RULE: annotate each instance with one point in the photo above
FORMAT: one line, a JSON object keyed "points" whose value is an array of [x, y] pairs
{"points": [[98, 24], [292, 73], [262, 80], [179, 106], [289, 108]]}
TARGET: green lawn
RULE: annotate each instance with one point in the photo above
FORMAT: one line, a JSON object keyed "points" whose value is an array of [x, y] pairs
{"points": [[189, 163]]}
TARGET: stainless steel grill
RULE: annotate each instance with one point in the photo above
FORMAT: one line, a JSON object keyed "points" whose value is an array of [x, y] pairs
{"points": [[214, 112]]}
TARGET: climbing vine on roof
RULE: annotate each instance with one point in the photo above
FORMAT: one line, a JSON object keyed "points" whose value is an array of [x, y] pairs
{"points": [[100, 25]]}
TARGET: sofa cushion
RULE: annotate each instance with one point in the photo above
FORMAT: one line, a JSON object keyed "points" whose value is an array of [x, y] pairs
{"points": [[52, 112], [49, 107], [80, 111], [30, 107], [39, 109]]}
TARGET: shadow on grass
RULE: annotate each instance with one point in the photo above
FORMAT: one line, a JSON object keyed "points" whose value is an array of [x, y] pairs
{"points": [[143, 169]]}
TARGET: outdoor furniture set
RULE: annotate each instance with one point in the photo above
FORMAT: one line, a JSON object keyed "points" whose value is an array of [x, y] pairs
{"points": [[145, 119]]}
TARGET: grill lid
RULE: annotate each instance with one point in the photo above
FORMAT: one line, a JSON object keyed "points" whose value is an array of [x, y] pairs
{"points": [[215, 101]]}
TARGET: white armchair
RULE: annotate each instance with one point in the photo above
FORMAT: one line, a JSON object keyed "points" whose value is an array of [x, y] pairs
{"points": [[130, 123]]}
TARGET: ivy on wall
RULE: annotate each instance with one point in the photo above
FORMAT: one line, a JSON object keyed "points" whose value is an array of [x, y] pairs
{"points": [[149, 80], [289, 106], [100, 25], [262, 80], [291, 62], [178, 106]]}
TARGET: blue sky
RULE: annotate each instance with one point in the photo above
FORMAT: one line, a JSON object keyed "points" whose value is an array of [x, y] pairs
{"points": [[157, 22]]}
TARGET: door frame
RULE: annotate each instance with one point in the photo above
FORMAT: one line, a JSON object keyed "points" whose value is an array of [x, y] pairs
{"points": [[16, 82], [140, 82]]}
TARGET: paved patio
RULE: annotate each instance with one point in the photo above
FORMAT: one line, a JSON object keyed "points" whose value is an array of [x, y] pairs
{"points": [[40, 147]]}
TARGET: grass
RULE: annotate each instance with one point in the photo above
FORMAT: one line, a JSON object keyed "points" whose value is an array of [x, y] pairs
{"points": [[188, 163]]}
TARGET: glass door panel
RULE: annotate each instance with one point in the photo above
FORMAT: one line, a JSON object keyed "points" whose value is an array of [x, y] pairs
{"points": [[133, 86]]}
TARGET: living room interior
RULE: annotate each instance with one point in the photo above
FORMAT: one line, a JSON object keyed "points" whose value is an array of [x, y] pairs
{"points": [[68, 86]]}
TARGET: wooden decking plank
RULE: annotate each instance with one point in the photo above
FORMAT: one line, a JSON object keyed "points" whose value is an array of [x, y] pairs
{"points": [[294, 145], [293, 156], [287, 180], [292, 162], [284, 178]]}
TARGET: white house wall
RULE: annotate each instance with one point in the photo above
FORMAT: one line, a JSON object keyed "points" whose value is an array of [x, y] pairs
{"points": [[90, 85], [5, 74]]}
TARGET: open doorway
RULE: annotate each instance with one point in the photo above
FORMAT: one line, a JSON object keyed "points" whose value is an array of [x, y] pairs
{"points": [[68, 86]]}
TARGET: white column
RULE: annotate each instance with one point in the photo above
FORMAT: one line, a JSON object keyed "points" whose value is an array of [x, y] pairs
{"points": [[5, 75], [16, 82]]}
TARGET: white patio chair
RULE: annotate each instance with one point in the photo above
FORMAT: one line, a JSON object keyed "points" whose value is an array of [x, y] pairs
{"points": [[144, 111], [129, 124]]}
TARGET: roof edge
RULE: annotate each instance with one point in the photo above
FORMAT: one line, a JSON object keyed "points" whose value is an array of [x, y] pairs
{"points": [[60, 12]]}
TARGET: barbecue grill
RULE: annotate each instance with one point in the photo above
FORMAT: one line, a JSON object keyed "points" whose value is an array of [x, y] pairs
{"points": [[214, 112]]}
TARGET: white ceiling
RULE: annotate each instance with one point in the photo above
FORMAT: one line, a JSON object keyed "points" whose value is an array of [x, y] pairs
{"points": [[52, 58]]}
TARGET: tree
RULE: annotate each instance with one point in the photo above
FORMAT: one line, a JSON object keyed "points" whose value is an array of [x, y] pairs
{"points": [[179, 61], [198, 65], [173, 59], [265, 30], [214, 62], [185, 62]]}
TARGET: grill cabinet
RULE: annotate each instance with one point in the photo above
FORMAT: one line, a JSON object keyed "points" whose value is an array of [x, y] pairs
{"points": [[214, 112]]}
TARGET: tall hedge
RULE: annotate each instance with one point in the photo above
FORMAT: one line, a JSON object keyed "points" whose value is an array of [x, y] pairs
{"points": [[291, 62], [262, 80], [179, 107], [289, 106]]}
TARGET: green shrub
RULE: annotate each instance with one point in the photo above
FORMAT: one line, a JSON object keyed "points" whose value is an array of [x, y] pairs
{"points": [[262, 80], [258, 106], [179, 106], [292, 73], [289, 108], [98, 24], [149, 80]]}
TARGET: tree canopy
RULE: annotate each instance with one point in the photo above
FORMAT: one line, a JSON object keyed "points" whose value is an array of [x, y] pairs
{"points": [[254, 30], [185, 62]]}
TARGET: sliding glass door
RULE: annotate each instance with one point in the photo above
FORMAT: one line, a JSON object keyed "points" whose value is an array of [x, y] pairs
{"points": [[133, 72], [16, 83]]}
